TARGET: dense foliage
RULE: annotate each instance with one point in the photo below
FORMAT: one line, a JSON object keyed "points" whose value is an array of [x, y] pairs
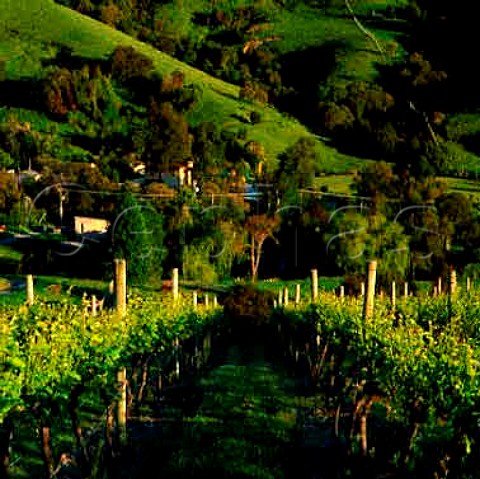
{"points": [[54, 354], [91, 125], [409, 375], [112, 137]]}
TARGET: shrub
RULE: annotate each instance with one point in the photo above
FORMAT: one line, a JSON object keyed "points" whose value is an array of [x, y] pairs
{"points": [[254, 92], [59, 93], [352, 283], [110, 14], [197, 266], [248, 310], [126, 63]]}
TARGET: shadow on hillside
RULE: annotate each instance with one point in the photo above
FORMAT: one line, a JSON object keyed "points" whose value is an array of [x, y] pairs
{"points": [[240, 118], [224, 94], [303, 71], [21, 93], [65, 58], [28, 92]]}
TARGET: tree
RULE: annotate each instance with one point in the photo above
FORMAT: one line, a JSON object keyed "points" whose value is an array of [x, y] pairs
{"points": [[353, 239], [196, 265], [298, 165], [378, 182], [20, 142], [450, 52], [390, 245], [137, 236], [229, 239], [170, 143], [260, 227], [6, 161], [59, 93], [127, 64], [208, 149], [9, 192], [346, 241], [457, 227], [110, 14]]}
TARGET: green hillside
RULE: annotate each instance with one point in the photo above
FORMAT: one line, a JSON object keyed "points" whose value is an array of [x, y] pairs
{"points": [[299, 28], [27, 27]]}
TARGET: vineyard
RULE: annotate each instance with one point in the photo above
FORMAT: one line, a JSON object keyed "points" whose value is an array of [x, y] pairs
{"points": [[242, 389]]}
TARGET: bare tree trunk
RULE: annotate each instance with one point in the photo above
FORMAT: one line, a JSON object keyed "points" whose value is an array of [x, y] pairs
{"points": [[414, 429], [136, 369], [259, 255], [143, 384], [43, 421], [46, 445], [109, 430], [363, 433]]}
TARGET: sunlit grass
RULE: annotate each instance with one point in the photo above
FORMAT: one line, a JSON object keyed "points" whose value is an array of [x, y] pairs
{"points": [[27, 25]]}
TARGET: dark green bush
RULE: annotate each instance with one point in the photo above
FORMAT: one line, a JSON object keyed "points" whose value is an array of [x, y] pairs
{"points": [[127, 64], [248, 311]]}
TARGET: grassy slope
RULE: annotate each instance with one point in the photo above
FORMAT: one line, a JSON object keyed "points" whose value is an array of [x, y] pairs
{"points": [[300, 28], [38, 21], [304, 27], [25, 24]]}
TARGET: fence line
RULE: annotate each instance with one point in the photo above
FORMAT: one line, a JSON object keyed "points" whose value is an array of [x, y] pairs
{"points": [[118, 291]]}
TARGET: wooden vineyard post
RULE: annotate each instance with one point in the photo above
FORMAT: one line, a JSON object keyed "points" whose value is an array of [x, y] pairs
{"points": [[405, 289], [30, 292], [362, 289], [452, 282], [215, 301], [94, 305], [468, 283], [121, 286], [122, 406], [314, 273], [439, 285], [342, 292], [111, 287], [393, 296], [285, 296], [280, 297], [175, 283], [368, 302], [195, 300], [435, 291], [452, 287], [206, 300], [297, 294]]}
